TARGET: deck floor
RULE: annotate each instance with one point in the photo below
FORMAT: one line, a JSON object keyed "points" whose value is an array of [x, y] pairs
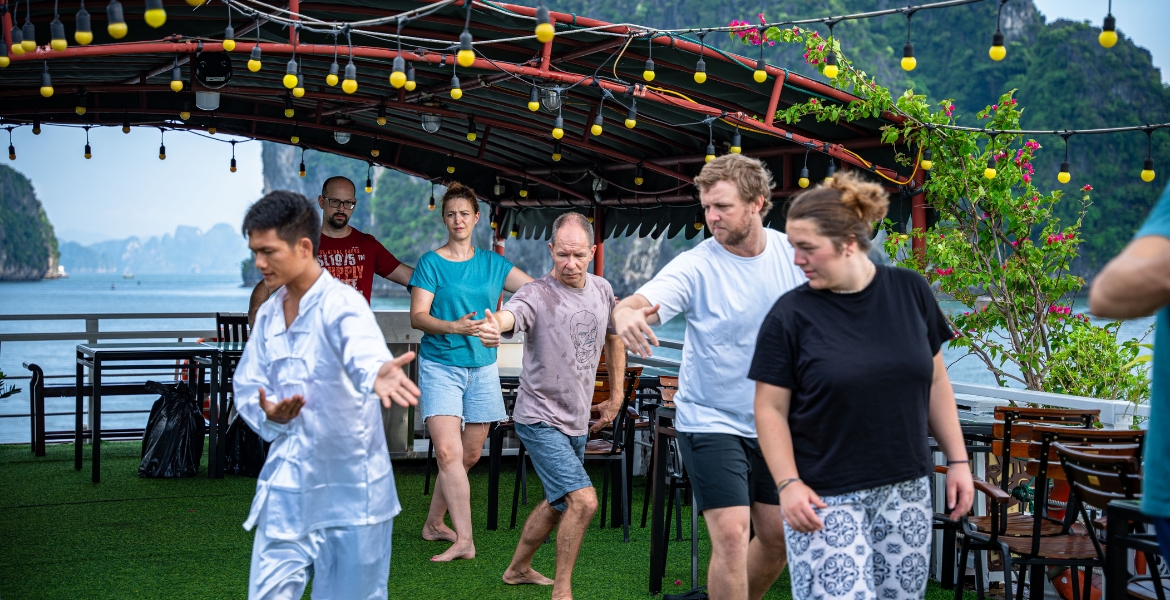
{"points": [[63, 537]]}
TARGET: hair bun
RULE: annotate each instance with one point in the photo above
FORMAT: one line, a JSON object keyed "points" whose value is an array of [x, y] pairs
{"points": [[867, 199]]}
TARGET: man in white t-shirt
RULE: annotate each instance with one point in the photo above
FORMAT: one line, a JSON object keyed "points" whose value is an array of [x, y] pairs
{"points": [[725, 286]]}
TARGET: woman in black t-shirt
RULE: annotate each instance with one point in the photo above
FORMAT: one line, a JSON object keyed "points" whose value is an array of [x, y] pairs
{"points": [[850, 383]]}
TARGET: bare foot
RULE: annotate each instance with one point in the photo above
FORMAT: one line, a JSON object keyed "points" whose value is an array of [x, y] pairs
{"points": [[528, 576], [442, 533], [457, 551]]}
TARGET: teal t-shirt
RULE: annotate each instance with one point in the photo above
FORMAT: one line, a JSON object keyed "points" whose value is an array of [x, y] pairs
{"points": [[460, 288], [1156, 484]]}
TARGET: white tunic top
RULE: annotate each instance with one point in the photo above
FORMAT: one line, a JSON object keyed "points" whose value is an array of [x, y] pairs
{"points": [[328, 467]]}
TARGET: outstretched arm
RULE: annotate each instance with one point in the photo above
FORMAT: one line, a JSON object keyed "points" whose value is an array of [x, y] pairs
{"points": [[401, 275], [516, 279], [1135, 283], [494, 325], [632, 319]]}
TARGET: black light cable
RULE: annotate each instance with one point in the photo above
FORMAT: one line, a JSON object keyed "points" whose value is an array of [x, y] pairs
{"points": [[232, 168], [1064, 176], [1148, 167], [88, 150], [701, 65], [803, 181], [997, 52], [908, 60]]}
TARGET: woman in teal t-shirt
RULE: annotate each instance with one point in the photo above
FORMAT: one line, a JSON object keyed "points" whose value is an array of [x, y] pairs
{"points": [[453, 286]]}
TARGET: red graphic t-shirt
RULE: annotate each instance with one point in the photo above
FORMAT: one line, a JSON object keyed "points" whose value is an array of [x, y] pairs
{"points": [[355, 258]]}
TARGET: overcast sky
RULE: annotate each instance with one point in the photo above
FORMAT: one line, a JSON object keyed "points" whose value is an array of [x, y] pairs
{"points": [[126, 190]]}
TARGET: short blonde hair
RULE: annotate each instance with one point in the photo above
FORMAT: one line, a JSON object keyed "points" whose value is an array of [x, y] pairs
{"points": [[751, 178]]}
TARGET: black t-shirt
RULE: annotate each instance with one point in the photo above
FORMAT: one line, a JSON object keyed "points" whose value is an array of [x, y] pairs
{"points": [[860, 368]]}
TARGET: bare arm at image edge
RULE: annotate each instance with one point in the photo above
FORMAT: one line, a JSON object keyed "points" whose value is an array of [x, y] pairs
{"points": [[260, 293], [1135, 283]]}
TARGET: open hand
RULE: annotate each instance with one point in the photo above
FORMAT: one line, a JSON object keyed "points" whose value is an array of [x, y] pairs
{"points": [[283, 411], [489, 331], [797, 502], [466, 325], [634, 330], [392, 384]]}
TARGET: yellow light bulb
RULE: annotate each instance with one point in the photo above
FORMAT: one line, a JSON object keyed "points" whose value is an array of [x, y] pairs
{"points": [[927, 165], [296, 139], [229, 45], [471, 137], [1147, 175], [802, 182], [698, 225], [997, 53], [381, 120], [369, 189], [1107, 38], [88, 155], [375, 152], [176, 85], [989, 173], [29, 45], [184, 114], [595, 129], [630, 123], [410, 85], [126, 129], [544, 33], [397, 79], [761, 76], [533, 106], [1062, 177], [4, 61], [735, 149], [908, 63], [288, 112], [162, 156], [648, 75], [253, 65], [700, 76], [331, 79], [83, 37], [456, 93], [195, 2], [210, 130], [58, 45], [556, 157], [80, 110], [155, 17], [232, 169], [349, 86], [117, 30], [290, 80], [450, 168], [558, 133], [709, 158], [465, 58], [298, 92], [523, 193], [47, 91], [301, 173]]}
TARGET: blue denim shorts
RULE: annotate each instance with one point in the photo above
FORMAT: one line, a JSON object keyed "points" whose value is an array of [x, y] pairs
{"points": [[559, 460], [470, 393]]}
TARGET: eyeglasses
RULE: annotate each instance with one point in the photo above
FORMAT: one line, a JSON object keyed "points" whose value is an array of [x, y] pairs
{"points": [[338, 203]]}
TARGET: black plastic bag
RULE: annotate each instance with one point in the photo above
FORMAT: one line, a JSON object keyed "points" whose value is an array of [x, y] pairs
{"points": [[245, 452], [172, 445]]}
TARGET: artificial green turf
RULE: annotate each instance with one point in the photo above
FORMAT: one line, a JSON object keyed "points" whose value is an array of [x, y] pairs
{"points": [[127, 537]]}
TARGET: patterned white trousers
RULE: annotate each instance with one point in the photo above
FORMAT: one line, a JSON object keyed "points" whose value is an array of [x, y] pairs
{"points": [[875, 546]]}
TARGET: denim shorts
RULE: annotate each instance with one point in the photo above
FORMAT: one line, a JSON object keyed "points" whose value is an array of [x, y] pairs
{"points": [[470, 393], [559, 460]]}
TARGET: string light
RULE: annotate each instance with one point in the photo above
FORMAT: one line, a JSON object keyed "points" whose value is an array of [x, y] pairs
{"points": [[989, 172], [125, 123], [83, 34], [17, 39], [36, 128], [803, 181], [556, 152], [700, 218], [515, 229], [710, 142], [229, 33], [1108, 35], [232, 168], [185, 112], [761, 72], [116, 27], [11, 148], [80, 106], [176, 77], [289, 111], [736, 143], [831, 71], [997, 52], [369, 173], [1063, 176], [648, 70], [908, 60], [831, 172], [375, 151], [301, 170], [29, 32], [299, 90], [210, 125], [410, 83], [290, 71], [162, 148], [398, 72], [701, 65], [331, 78], [296, 138], [254, 60], [1148, 167], [88, 150], [466, 55], [534, 99], [155, 14], [558, 130], [632, 114], [471, 130], [450, 163], [4, 60], [431, 206], [639, 178], [46, 82], [599, 120], [456, 91], [524, 188], [57, 39], [544, 27], [926, 163], [382, 113]]}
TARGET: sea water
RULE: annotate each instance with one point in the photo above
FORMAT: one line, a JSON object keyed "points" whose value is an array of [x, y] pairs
{"points": [[110, 293]]}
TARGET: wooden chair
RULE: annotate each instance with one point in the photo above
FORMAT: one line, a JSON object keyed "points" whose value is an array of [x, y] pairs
{"points": [[618, 447], [1098, 479], [231, 328], [1068, 546]]}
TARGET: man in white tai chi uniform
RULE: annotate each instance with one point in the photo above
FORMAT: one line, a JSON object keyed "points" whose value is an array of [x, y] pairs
{"points": [[325, 500]]}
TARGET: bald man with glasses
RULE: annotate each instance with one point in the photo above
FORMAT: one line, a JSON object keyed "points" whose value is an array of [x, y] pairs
{"points": [[351, 256]]}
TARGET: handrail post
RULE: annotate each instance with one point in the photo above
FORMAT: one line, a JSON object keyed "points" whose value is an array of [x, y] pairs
{"points": [[91, 326]]}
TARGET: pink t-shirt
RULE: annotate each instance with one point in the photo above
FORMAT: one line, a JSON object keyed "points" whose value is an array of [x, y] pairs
{"points": [[566, 330]]}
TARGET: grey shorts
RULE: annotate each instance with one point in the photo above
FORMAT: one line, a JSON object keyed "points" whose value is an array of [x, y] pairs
{"points": [[559, 460]]}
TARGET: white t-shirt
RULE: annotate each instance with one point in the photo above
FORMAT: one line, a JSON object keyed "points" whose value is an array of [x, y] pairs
{"points": [[725, 299]]}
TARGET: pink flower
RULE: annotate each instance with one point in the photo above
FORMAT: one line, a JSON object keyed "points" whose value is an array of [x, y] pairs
{"points": [[1014, 243], [820, 47], [815, 61], [1027, 178], [812, 100], [944, 272], [763, 21], [1087, 188], [815, 35], [994, 107]]}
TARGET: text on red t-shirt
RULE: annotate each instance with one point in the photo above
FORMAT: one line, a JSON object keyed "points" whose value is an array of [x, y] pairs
{"points": [[355, 258]]}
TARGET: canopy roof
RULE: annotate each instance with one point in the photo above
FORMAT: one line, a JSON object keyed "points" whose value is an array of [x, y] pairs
{"points": [[128, 80]]}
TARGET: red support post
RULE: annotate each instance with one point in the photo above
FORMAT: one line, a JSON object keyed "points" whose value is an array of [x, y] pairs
{"points": [[774, 100], [599, 240], [918, 219]]}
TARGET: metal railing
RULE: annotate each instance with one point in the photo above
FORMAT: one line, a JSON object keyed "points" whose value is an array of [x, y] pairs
{"points": [[93, 332]]}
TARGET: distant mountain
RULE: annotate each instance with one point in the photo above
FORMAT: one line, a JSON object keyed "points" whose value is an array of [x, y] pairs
{"points": [[28, 248], [218, 251]]}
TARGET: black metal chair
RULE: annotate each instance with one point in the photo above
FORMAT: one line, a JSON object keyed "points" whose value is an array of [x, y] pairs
{"points": [[231, 328]]}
